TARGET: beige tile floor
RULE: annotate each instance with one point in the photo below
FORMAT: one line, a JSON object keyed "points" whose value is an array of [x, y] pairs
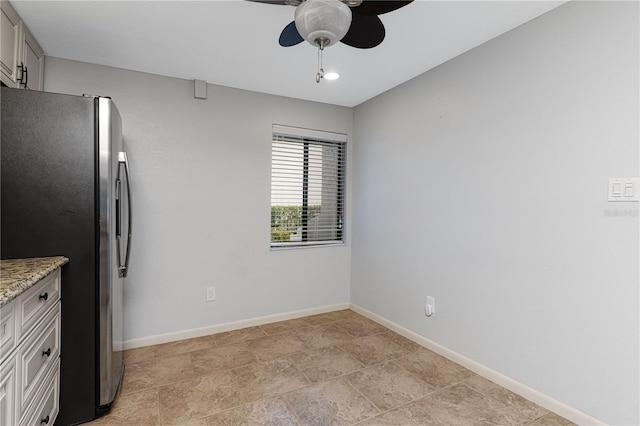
{"points": [[338, 368]]}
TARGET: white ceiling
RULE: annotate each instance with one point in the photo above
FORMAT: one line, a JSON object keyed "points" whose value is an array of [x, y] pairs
{"points": [[235, 43]]}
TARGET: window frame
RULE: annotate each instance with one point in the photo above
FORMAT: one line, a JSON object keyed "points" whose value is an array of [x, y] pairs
{"points": [[308, 137]]}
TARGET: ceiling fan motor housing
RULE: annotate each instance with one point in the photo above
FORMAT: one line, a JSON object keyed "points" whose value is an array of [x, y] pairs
{"points": [[327, 20]]}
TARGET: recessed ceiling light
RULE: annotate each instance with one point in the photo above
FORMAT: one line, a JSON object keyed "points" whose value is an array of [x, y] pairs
{"points": [[332, 76]]}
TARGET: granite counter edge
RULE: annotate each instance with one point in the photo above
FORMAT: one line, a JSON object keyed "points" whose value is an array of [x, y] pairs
{"points": [[29, 276]]}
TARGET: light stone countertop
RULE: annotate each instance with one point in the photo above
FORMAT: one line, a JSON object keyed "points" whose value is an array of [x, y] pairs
{"points": [[19, 275]]}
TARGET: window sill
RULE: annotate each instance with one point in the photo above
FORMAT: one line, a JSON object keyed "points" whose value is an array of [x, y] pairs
{"points": [[315, 244]]}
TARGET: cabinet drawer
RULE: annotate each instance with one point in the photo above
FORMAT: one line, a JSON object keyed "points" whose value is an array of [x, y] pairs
{"points": [[8, 374], [37, 300], [36, 356], [8, 338], [44, 409]]}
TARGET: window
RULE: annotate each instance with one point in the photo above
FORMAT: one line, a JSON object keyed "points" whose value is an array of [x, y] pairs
{"points": [[307, 187]]}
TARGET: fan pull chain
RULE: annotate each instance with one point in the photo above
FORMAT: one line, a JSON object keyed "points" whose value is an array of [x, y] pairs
{"points": [[320, 73], [320, 42]]}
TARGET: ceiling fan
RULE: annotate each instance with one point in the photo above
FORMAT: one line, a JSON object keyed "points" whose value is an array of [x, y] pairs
{"points": [[326, 22]]}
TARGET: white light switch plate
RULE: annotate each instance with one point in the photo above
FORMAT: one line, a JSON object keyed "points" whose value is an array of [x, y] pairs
{"points": [[624, 189]]}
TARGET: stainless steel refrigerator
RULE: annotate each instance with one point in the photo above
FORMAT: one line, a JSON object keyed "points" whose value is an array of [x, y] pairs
{"points": [[65, 191]]}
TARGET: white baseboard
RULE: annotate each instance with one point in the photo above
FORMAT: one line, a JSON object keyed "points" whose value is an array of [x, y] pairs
{"points": [[524, 391], [228, 326]]}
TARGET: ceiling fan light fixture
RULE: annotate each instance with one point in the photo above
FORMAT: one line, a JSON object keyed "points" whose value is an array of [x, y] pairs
{"points": [[327, 20]]}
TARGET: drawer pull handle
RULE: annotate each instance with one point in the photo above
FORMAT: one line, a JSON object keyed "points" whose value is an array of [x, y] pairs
{"points": [[47, 352], [45, 420], [44, 296]]}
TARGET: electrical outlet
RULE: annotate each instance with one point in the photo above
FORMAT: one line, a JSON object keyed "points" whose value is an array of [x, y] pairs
{"points": [[211, 294], [430, 307]]}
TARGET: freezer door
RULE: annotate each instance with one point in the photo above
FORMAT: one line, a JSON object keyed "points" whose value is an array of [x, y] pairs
{"points": [[109, 129]]}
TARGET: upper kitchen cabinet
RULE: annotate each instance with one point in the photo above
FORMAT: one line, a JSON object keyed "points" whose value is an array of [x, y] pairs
{"points": [[32, 76], [21, 57], [9, 31]]}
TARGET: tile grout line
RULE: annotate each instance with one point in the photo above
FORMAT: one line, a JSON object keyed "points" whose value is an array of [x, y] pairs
{"points": [[290, 408], [434, 391], [502, 402], [293, 363], [366, 399], [393, 361], [409, 402]]}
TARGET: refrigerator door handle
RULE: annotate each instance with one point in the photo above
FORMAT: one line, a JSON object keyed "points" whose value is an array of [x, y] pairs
{"points": [[123, 268], [118, 212]]}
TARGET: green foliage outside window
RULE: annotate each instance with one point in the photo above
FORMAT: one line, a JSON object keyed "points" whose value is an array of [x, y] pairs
{"points": [[285, 221]]}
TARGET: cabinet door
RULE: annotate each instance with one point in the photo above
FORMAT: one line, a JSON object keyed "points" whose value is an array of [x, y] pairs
{"points": [[8, 335], [8, 389], [9, 41], [33, 59], [36, 354], [45, 407]]}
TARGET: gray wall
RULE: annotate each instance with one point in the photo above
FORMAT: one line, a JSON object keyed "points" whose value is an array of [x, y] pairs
{"points": [[483, 183], [201, 182]]}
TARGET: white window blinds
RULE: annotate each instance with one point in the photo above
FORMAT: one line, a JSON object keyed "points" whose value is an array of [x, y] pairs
{"points": [[307, 187]]}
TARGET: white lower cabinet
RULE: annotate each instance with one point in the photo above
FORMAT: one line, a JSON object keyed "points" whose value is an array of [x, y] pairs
{"points": [[30, 368]]}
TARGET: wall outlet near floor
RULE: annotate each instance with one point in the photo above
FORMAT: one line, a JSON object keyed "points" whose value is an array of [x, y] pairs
{"points": [[211, 294], [430, 307]]}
